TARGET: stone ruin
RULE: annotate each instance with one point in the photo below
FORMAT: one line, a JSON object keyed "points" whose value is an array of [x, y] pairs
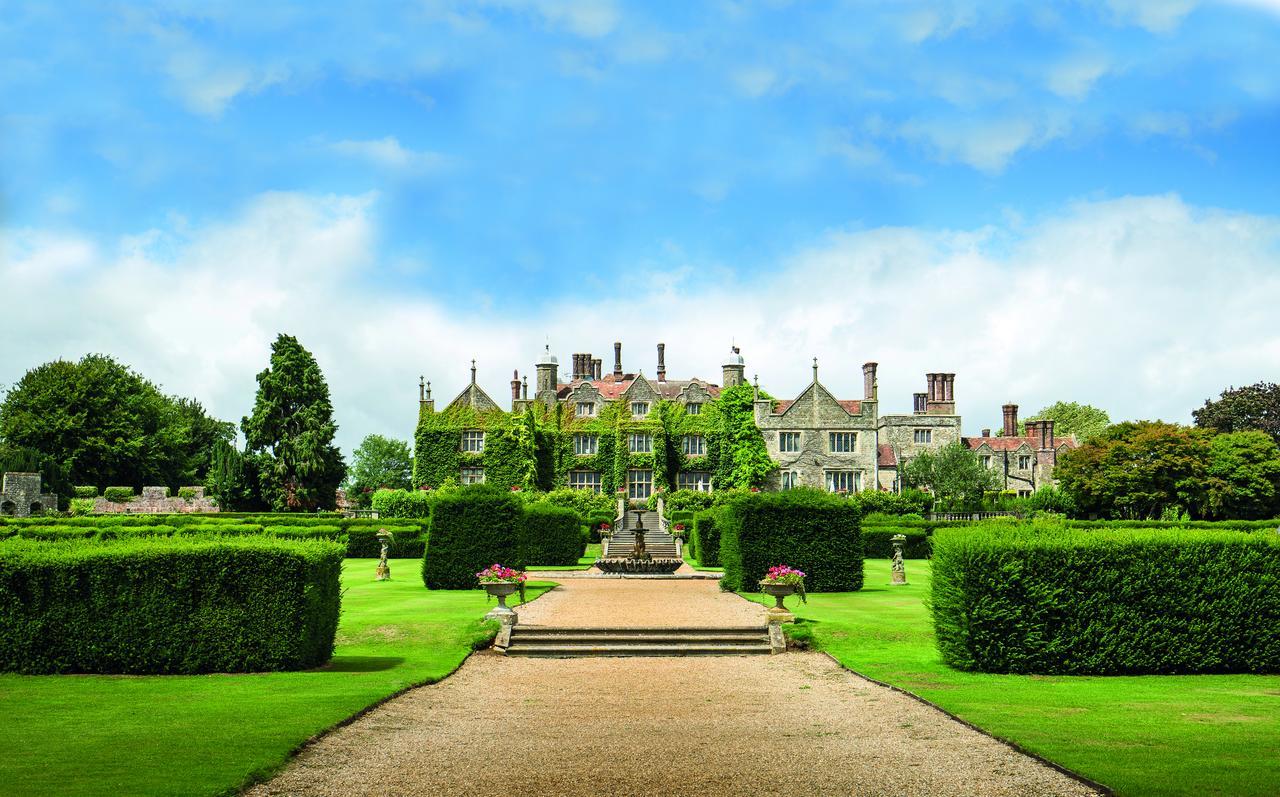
{"points": [[156, 501], [20, 496]]}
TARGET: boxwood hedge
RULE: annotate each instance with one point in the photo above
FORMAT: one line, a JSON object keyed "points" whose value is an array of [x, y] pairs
{"points": [[549, 535], [470, 529], [704, 539], [1107, 602], [813, 530], [176, 605]]}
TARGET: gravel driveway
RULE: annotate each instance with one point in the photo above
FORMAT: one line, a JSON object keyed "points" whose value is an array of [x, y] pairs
{"points": [[793, 724]]}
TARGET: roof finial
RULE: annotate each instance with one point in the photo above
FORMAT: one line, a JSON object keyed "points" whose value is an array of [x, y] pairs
{"points": [[815, 369], [473, 370], [755, 384], [428, 390], [421, 396]]}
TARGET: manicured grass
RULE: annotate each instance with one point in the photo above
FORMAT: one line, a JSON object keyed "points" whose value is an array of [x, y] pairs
{"points": [[1140, 735], [585, 561], [201, 735]]}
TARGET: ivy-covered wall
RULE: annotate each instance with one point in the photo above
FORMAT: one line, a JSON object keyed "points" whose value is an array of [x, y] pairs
{"points": [[535, 449]]}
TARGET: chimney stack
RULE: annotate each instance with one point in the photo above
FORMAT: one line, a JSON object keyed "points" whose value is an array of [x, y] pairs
{"points": [[949, 388], [617, 361], [662, 364], [941, 396], [515, 386], [1010, 420], [1047, 426], [869, 388], [986, 432], [595, 368], [920, 403]]}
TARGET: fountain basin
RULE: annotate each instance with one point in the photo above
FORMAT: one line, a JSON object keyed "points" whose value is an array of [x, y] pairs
{"points": [[626, 565]]}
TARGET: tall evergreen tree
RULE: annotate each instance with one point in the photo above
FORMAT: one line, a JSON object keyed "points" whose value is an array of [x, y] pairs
{"points": [[291, 431]]}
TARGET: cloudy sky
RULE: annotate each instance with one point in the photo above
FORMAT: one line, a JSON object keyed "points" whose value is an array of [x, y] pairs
{"points": [[1074, 201]]}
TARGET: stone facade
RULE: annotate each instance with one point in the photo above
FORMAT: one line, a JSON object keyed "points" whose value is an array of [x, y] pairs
{"points": [[1026, 460], [20, 496], [156, 501]]}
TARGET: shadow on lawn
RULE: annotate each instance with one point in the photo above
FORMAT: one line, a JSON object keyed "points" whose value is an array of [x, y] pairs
{"points": [[362, 663]]}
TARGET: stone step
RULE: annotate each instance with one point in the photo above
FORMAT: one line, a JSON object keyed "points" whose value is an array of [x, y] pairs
{"points": [[559, 642], [562, 651]]}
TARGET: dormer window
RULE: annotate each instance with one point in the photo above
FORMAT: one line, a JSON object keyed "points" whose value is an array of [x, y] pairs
{"points": [[693, 408], [586, 409], [639, 409]]}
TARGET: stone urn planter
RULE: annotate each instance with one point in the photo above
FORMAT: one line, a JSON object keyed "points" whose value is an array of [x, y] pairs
{"points": [[780, 593], [501, 590]]}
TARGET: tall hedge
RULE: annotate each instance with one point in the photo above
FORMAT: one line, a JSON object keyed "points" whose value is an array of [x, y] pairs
{"points": [[470, 529], [549, 535], [705, 539], [809, 529], [168, 605], [1107, 602]]}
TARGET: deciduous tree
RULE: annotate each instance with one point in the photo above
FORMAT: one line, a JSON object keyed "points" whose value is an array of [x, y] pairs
{"points": [[1082, 420], [953, 474], [1240, 409]]}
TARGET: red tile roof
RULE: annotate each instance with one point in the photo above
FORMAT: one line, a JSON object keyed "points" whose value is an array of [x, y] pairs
{"points": [[1014, 443], [611, 389], [886, 457]]}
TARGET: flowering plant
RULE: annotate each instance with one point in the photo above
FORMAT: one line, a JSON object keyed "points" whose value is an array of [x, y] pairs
{"points": [[755, 489], [785, 575], [498, 574], [606, 530], [678, 529], [515, 488]]}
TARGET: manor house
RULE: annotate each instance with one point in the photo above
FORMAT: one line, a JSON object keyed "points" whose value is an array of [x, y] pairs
{"points": [[605, 431]]}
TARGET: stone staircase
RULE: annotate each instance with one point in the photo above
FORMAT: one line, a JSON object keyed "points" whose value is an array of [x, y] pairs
{"points": [[552, 642], [659, 544]]}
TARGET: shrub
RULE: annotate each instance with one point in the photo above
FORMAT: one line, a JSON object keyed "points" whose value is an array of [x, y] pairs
{"points": [[908, 502], [402, 503], [80, 507], [1060, 601], [87, 491], [325, 532], [187, 493], [118, 495], [549, 535], [688, 501], [585, 503], [705, 539], [811, 530], [470, 530], [168, 606]]}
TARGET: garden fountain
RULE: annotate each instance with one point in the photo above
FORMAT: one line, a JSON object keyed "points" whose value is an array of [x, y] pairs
{"points": [[637, 560]]}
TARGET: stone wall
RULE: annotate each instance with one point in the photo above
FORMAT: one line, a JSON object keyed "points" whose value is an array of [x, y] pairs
{"points": [[156, 501], [20, 496], [815, 414]]}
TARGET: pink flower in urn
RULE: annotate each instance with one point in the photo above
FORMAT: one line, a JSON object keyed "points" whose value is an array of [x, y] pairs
{"points": [[515, 488], [755, 489]]}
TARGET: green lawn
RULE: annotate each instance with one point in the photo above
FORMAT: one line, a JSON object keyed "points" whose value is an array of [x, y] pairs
{"points": [[200, 735], [1140, 735]]}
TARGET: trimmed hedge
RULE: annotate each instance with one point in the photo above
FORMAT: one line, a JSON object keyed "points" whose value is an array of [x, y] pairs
{"points": [[402, 503], [118, 495], [549, 535], [1071, 602], [878, 544], [84, 491], [470, 530], [168, 605], [812, 530], [705, 539]]}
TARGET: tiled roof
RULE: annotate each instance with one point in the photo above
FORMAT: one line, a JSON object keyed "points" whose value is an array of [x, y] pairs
{"points": [[886, 457], [1014, 443], [611, 389]]}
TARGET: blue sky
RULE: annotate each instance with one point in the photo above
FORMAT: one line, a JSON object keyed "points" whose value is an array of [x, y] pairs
{"points": [[1037, 196]]}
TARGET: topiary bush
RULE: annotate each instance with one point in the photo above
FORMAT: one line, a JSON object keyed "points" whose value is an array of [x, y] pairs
{"points": [[812, 530], [704, 539], [470, 530], [118, 495], [1062, 601], [168, 606], [549, 535], [86, 491]]}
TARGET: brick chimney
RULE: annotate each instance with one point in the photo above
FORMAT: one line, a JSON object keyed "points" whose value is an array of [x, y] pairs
{"points": [[662, 364], [1047, 426], [941, 396], [986, 432], [869, 389], [515, 386], [1010, 420], [920, 402], [595, 368], [617, 361]]}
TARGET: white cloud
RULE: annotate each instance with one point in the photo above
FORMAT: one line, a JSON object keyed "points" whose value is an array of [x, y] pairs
{"points": [[1142, 305], [1074, 78], [590, 19], [754, 81], [985, 144], [389, 153], [1157, 16]]}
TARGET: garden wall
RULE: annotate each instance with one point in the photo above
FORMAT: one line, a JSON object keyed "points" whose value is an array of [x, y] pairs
{"points": [[1107, 602]]}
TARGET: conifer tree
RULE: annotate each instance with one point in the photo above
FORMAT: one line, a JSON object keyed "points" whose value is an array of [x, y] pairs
{"points": [[291, 432]]}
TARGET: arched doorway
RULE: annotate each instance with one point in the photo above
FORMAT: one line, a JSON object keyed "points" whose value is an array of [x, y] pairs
{"points": [[37, 508], [8, 508]]}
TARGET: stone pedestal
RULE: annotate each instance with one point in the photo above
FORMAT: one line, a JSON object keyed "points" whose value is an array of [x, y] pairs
{"points": [[899, 566]]}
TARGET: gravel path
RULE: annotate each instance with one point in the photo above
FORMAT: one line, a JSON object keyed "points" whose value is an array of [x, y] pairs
{"points": [[794, 724]]}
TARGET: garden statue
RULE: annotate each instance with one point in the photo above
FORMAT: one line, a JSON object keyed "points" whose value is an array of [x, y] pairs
{"points": [[384, 569], [638, 552], [899, 567]]}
